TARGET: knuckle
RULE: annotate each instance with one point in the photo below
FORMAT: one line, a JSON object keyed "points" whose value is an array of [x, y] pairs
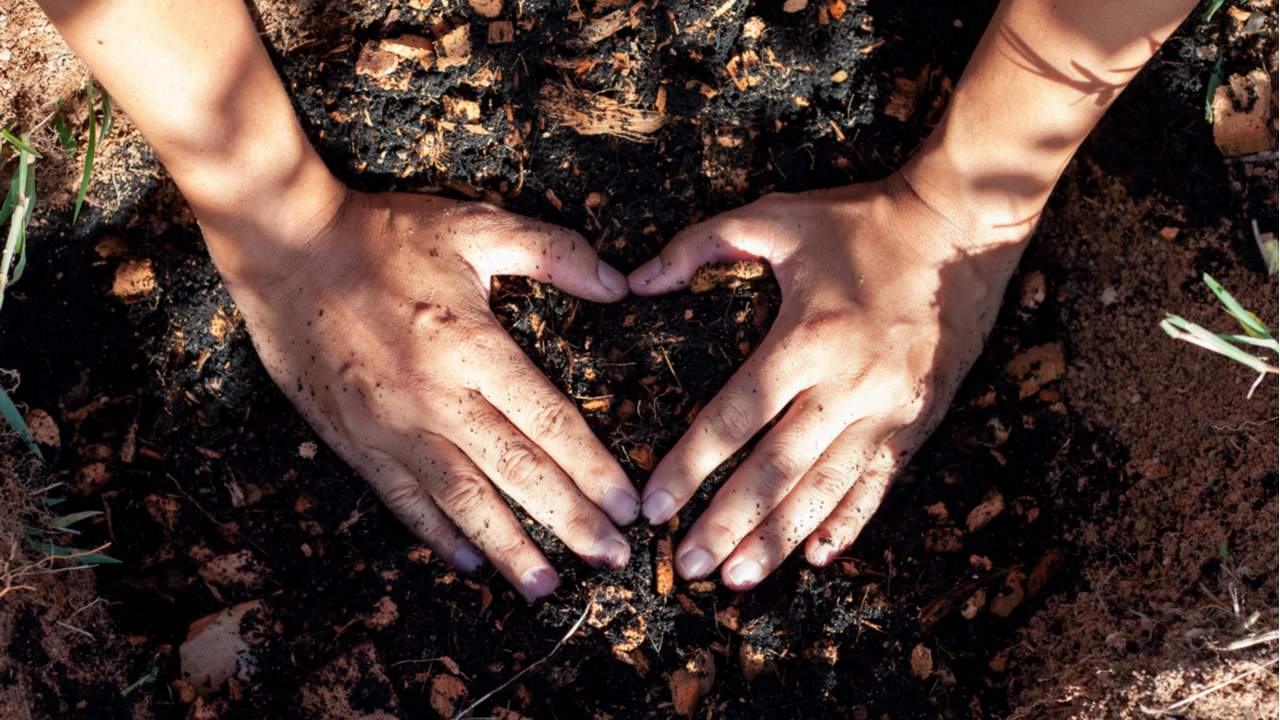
{"points": [[502, 543], [728, 529], [462, 491], [552, 420], [828, 481], [399, 496], [729, 418], [519, 463], [580, 518], [821, 322], [775, 471]]}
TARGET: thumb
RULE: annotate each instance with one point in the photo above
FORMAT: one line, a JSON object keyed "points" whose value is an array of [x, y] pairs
{"points": [[724, 237], [551, 254]]}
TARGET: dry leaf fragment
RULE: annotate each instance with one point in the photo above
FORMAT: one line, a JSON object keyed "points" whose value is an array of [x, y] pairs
{"points": [[1035, 367], [692, 681], [134, 281]]}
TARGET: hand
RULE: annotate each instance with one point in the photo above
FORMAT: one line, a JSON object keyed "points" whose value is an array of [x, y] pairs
{"points": [[885, 305], [379, 330]]}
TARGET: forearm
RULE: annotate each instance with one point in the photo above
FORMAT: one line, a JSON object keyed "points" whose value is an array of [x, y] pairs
{"points": [[1042, 76], [196, 80]]}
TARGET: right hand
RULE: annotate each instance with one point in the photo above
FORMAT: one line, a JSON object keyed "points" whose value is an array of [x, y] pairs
{"points": [[378, 328]]}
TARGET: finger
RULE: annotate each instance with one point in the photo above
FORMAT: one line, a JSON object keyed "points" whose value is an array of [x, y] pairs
{"points": [[838, 531], [812, 500], [730, 236], [763, 480], [524, 472], [475, 507], [538, 410], [407, 499], [756, 393], [550, 254]]}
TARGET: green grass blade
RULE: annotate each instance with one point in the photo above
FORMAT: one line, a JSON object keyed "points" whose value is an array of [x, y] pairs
{"points": [[1215, 79], [30, 196], [1272, 345], [68, 139], [66, 521], [18, 143], [1247, 320], [9, 200], [108, 119], [73, 554], [1213, 9], [1180, 329], [11, 415], [90, 147]]}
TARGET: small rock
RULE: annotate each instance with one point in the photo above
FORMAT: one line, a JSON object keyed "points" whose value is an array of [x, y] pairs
{"points": [[1031, 291], [353, 687], [237, 573], [1242, 114], [446, 692], [1010, 595], [486, 8], [794, 6], [134, 281], [974, 604], [307, 450], [985, 512], [91, 478], [1109, 296], [224, 645], [1170, 233], [43, 429], [383, 614], [921, 661]]}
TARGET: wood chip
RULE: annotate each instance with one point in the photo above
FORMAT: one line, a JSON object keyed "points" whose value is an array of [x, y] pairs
{"points": [[794, 6], [1010, 595], [501, 32], [455, 47], [1035, 367], [588, 113], [728, 275], [43, 429], [664, 572], [446, 692]]}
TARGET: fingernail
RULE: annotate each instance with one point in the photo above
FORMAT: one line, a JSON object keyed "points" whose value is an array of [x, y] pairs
{"points": [[612, 552], [823, 552], [611, 278], [744, 574], [695, 563], [648, 271], [622, 506], [467, 560], [658, 506], [538, 582]]}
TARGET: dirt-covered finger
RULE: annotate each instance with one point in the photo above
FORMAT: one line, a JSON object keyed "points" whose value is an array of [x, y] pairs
{"points": [[724, 237], [551, 254], [525, 472], [768, 475], [538, 410], [467, 497]]}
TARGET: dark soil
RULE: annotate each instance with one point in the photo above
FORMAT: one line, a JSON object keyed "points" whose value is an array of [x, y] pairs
{"points": [[222, 462]]}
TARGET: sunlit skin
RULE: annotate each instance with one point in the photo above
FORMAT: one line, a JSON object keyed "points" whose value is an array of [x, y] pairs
{"points": [[371, 311]]}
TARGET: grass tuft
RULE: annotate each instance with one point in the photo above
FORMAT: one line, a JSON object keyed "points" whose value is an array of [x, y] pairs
{"points": [[1229, 345]]}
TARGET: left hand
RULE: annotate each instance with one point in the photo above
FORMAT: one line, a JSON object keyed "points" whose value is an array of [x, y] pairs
{"points": [[885, 305]]}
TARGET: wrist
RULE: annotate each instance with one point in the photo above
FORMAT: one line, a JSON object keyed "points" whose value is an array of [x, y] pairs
{"points": [[261, 207], [993, 196]]}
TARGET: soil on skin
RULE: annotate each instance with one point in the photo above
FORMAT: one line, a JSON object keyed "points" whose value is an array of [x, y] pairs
{"points": [[1138, 484]]}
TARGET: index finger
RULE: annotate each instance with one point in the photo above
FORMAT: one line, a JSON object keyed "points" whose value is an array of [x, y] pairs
{"points": [[761, 388]]}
